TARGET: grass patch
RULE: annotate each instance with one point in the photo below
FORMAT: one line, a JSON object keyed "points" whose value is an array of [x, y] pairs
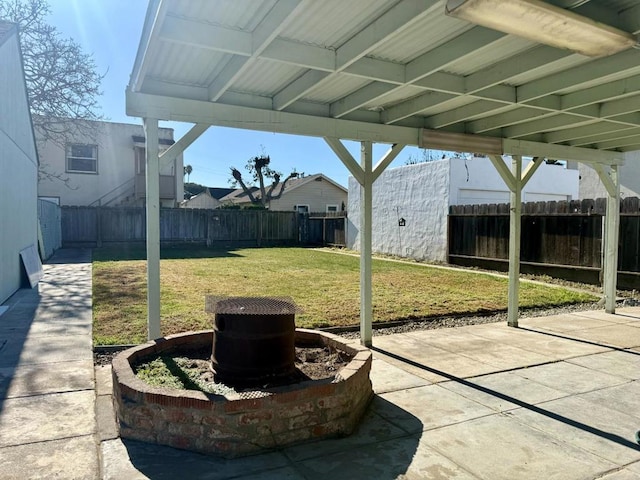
{"points": [[324, 284]]}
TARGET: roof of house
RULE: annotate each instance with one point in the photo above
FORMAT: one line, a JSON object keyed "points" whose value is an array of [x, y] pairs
{"points": [[220, 192], [239, 196]]}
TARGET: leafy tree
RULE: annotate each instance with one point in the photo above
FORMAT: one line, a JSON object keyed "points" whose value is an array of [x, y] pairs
{"points": [[259, 169], [62, 82], [193, 188]]}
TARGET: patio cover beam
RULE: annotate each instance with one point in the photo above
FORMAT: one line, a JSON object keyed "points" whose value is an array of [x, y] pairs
{"points": [[171, 153], [249, 118]]}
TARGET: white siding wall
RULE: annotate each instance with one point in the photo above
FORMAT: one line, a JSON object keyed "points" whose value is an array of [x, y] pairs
{"points": [[316, 194], [202, 200], [417, 193], [591, 187], [116, 165], [18, 170], [476, 180]]}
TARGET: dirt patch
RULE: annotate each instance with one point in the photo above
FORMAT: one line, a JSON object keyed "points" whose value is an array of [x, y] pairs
{"points": [[193, 371]]}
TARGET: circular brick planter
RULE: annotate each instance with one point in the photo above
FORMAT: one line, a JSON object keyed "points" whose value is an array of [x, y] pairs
{"points": [[240, 423]]}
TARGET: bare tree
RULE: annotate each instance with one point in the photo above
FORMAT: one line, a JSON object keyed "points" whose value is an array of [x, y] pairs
{"points": [[259, 168], [62, 82]]}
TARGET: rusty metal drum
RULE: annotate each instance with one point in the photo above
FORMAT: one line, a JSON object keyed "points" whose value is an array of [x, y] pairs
{"points": [[253, 340]]}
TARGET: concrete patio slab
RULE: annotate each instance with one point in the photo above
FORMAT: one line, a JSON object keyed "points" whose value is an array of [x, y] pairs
{"points": [[503, 391], [403, 458], [552, 324], [623, 398], [388, 378], [137, 460], [433, 405], [546, 343], [570, 378], [621, 363], [373, 429], [47, 417], [51, 349], [68, 458], [412, 349], [622, 336], [624, 474], [591, 427], [39, 379], [623, 315], [500, 448]]}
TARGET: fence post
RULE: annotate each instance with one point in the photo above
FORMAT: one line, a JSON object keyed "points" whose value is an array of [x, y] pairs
{"points": [[98, 226]]}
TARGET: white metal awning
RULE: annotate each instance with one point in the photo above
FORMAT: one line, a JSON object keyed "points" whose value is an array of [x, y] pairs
{"points": [[401, 72]]}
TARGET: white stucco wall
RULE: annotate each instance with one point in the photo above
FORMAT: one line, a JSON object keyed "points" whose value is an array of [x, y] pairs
{"points": [[419, 194], [18, 169], [422, 193], [116, 164], [591, 187], [476, 181]]}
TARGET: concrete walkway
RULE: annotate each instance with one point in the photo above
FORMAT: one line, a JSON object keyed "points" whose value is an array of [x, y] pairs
{"points": [[558, 398], [47, 419]]}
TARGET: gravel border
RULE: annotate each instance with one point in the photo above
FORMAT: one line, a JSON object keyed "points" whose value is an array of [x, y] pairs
{"points": [[461, 321]]}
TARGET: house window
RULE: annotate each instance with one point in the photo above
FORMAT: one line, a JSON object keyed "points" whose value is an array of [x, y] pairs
{"points": [[140, 155], [301, 208], [82, 158], [332, 208]]}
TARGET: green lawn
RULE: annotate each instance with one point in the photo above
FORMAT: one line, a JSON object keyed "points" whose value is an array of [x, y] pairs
{"points": [[324, 284]]}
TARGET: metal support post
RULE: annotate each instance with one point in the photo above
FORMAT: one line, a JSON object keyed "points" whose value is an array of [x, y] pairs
{"points": [[612, 226], [515, 209], [153, 226], [366, 197]]}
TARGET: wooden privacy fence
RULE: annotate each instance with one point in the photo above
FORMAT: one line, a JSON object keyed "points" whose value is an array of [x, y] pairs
{"points": [[96, 226], [560, 238]]}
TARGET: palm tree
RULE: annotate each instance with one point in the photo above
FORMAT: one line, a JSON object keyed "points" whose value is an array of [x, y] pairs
{"points": [[187, 171]]}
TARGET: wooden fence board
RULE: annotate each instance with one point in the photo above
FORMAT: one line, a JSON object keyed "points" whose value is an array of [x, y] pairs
{"points": [[94, 226], [559, 233]]}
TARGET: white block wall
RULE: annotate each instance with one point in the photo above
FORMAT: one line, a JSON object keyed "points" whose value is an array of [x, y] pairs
{"points": [[417, 193], [591, 187]]}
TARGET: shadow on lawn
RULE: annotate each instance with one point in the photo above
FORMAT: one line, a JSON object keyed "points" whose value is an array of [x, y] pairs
{"points": [[139, 252], [135, 252]]}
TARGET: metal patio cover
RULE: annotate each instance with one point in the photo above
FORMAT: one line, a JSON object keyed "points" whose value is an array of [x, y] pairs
{"points": [[380, 70], [399, 72]]}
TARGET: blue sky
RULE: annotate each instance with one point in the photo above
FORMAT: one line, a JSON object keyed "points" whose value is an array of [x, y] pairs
{"points": [[110, 30]]}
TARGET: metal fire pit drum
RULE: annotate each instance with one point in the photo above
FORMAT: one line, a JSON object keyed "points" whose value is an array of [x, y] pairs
{"points": [[253, 339]]}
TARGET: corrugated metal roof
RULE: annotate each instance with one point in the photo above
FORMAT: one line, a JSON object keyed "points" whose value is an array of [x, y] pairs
{"points": [[329, 23], [264, 77], [382, 63]]}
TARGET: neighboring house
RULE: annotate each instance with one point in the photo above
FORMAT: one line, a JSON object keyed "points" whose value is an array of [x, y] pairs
{"points": [[411, 203], [208, 198], [103, 164], [18, 165], [591, 187], [313, 193]]}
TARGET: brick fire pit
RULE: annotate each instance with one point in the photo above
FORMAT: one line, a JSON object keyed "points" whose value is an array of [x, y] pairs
{"points": [[240, 423]]}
